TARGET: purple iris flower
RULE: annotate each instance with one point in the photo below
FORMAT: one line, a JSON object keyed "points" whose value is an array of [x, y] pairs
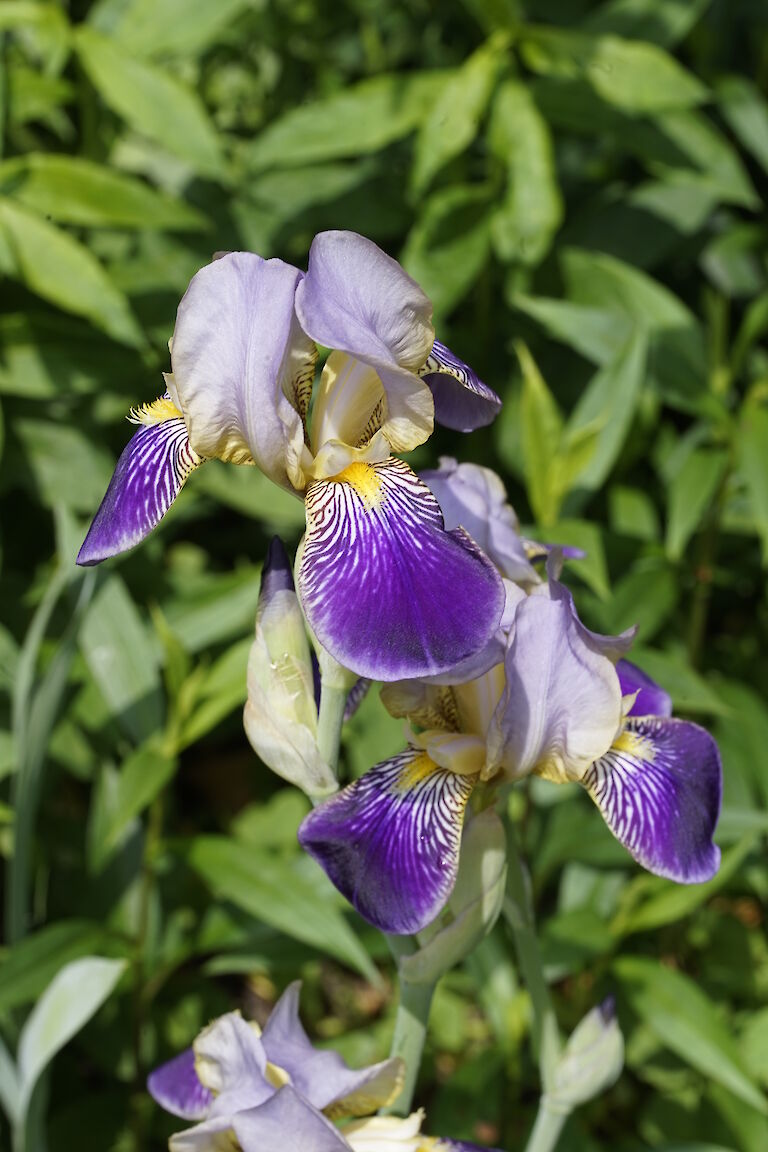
{"points": [[247, 1090], [387, 590], [558, 707]]}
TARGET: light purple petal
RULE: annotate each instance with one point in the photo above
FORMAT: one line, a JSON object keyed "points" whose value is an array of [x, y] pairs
{"points": [[651, 699], [242, 367], [390, 841], [149, 476], [230, 1060], [462, 401], [356, 299], [613, 647], [474, 498], [659, 791], [385, 588], [175, 1087], [287, 1123], [323, 1078]]}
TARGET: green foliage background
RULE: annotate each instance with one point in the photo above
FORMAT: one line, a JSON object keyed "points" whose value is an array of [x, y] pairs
{"points": [[580, 188]]}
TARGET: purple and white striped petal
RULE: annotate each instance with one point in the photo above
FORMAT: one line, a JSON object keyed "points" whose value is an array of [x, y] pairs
{"points": [[322, 1077], [390, 841], [651, 700], [286, 1122], [149, 476], [385, 588], [176, 1088], [462, 401], [659, 790]]}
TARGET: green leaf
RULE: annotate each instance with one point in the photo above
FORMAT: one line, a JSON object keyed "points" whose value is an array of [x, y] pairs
{"points": [[633, 513], [665, 22], [690, 495], [599, 334], [686, 1021], [448, 246], [67, 467], [454, 119], [745, 110], [542, 428], [152, 101], [356, 122], [168, 27], [33, 962], [277, 892], [72, 190], [636, 77], [753, 455], [74, 995], [251, 493], [689, 691], [123, 660], [63, 271], [645, 596], [10, 1089], [142, 777], [218, 693], [532, 208]]}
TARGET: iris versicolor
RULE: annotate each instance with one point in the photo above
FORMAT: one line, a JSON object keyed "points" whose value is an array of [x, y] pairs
{"points": [[386, 588]]}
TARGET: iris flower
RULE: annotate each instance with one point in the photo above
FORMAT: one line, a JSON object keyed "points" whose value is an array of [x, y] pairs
{"points": [[387, 590], [560, 707], [246, 1091]]}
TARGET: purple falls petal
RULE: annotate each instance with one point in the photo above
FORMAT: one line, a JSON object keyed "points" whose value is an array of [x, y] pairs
{"points": [[659, 790], [322, 1077], [286, 1123], [149, 476], [651, 700], [175, 1087], [462, 401], [390, 841], [385, 588]]}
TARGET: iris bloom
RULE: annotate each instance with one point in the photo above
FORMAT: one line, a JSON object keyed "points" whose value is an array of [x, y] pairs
{"points": [[386, 589], [560, 707], [247, 1091]]}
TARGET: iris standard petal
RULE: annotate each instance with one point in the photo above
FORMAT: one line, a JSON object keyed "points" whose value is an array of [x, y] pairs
{"points": [[462, 401], [385, 588], [230, 1061], [561, 705], [659, 790], [242, 367], [175, 1086], [323, 1078], [651, 700], [149, 476], [390, 841], [287, 1122], [474, 498]]}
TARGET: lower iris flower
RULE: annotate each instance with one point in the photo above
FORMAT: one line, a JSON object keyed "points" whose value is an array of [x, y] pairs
{"points": [[246, 1090], [563, 705], [385, 587]]}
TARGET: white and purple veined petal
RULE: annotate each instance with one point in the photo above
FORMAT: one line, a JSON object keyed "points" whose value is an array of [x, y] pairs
{"points": [[148, 477], [390, 841], [242, 366], [659, 789], [462, 401], [176, 1087], [651, 699], [322, 1077], [386, 590]]}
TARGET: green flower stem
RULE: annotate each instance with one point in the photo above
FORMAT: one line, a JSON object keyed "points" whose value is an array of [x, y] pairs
{"points": [[410, 1027], [547, 1129], [333, 701], [518, 913]]}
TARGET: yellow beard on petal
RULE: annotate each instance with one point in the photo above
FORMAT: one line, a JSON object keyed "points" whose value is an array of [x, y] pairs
{"points": [[365, 481], [418, 770], [634, 745], [156, 412]]}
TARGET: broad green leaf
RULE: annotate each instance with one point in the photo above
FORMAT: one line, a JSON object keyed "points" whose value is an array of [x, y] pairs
{"points": [[67, 467], [742, 736], [531, 209], [633, 513], [273, 824], [733, 261], [72, 190], [689, 691], [356, 122], [664, 22], [44, 26], [634, 76], [57, 267], [753, 459], [152, 101], [169, 27], [587, 535], [448, 246], [690, 495], [123, 660], [454, 119], [31, 964], [142, 777], [219, 692], [645, 596], [752, 328], [610, 397], [542, 429], [745, 110], [754, 1045], [688, 1023], [597, 333], [216, 608], [276, 891], [74, 995]]}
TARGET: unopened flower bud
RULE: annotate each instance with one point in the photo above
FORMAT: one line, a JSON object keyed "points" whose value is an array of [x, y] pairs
{"points": [[591, 1061]]}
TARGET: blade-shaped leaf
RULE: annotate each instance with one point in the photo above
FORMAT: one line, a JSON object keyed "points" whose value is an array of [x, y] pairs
{"points": [[690, 495]]}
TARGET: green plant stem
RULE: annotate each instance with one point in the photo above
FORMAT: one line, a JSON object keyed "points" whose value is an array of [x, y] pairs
{"points": [[702, 590], [547, 1129], [333, 701], [410, 1027], [518, 913]]}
